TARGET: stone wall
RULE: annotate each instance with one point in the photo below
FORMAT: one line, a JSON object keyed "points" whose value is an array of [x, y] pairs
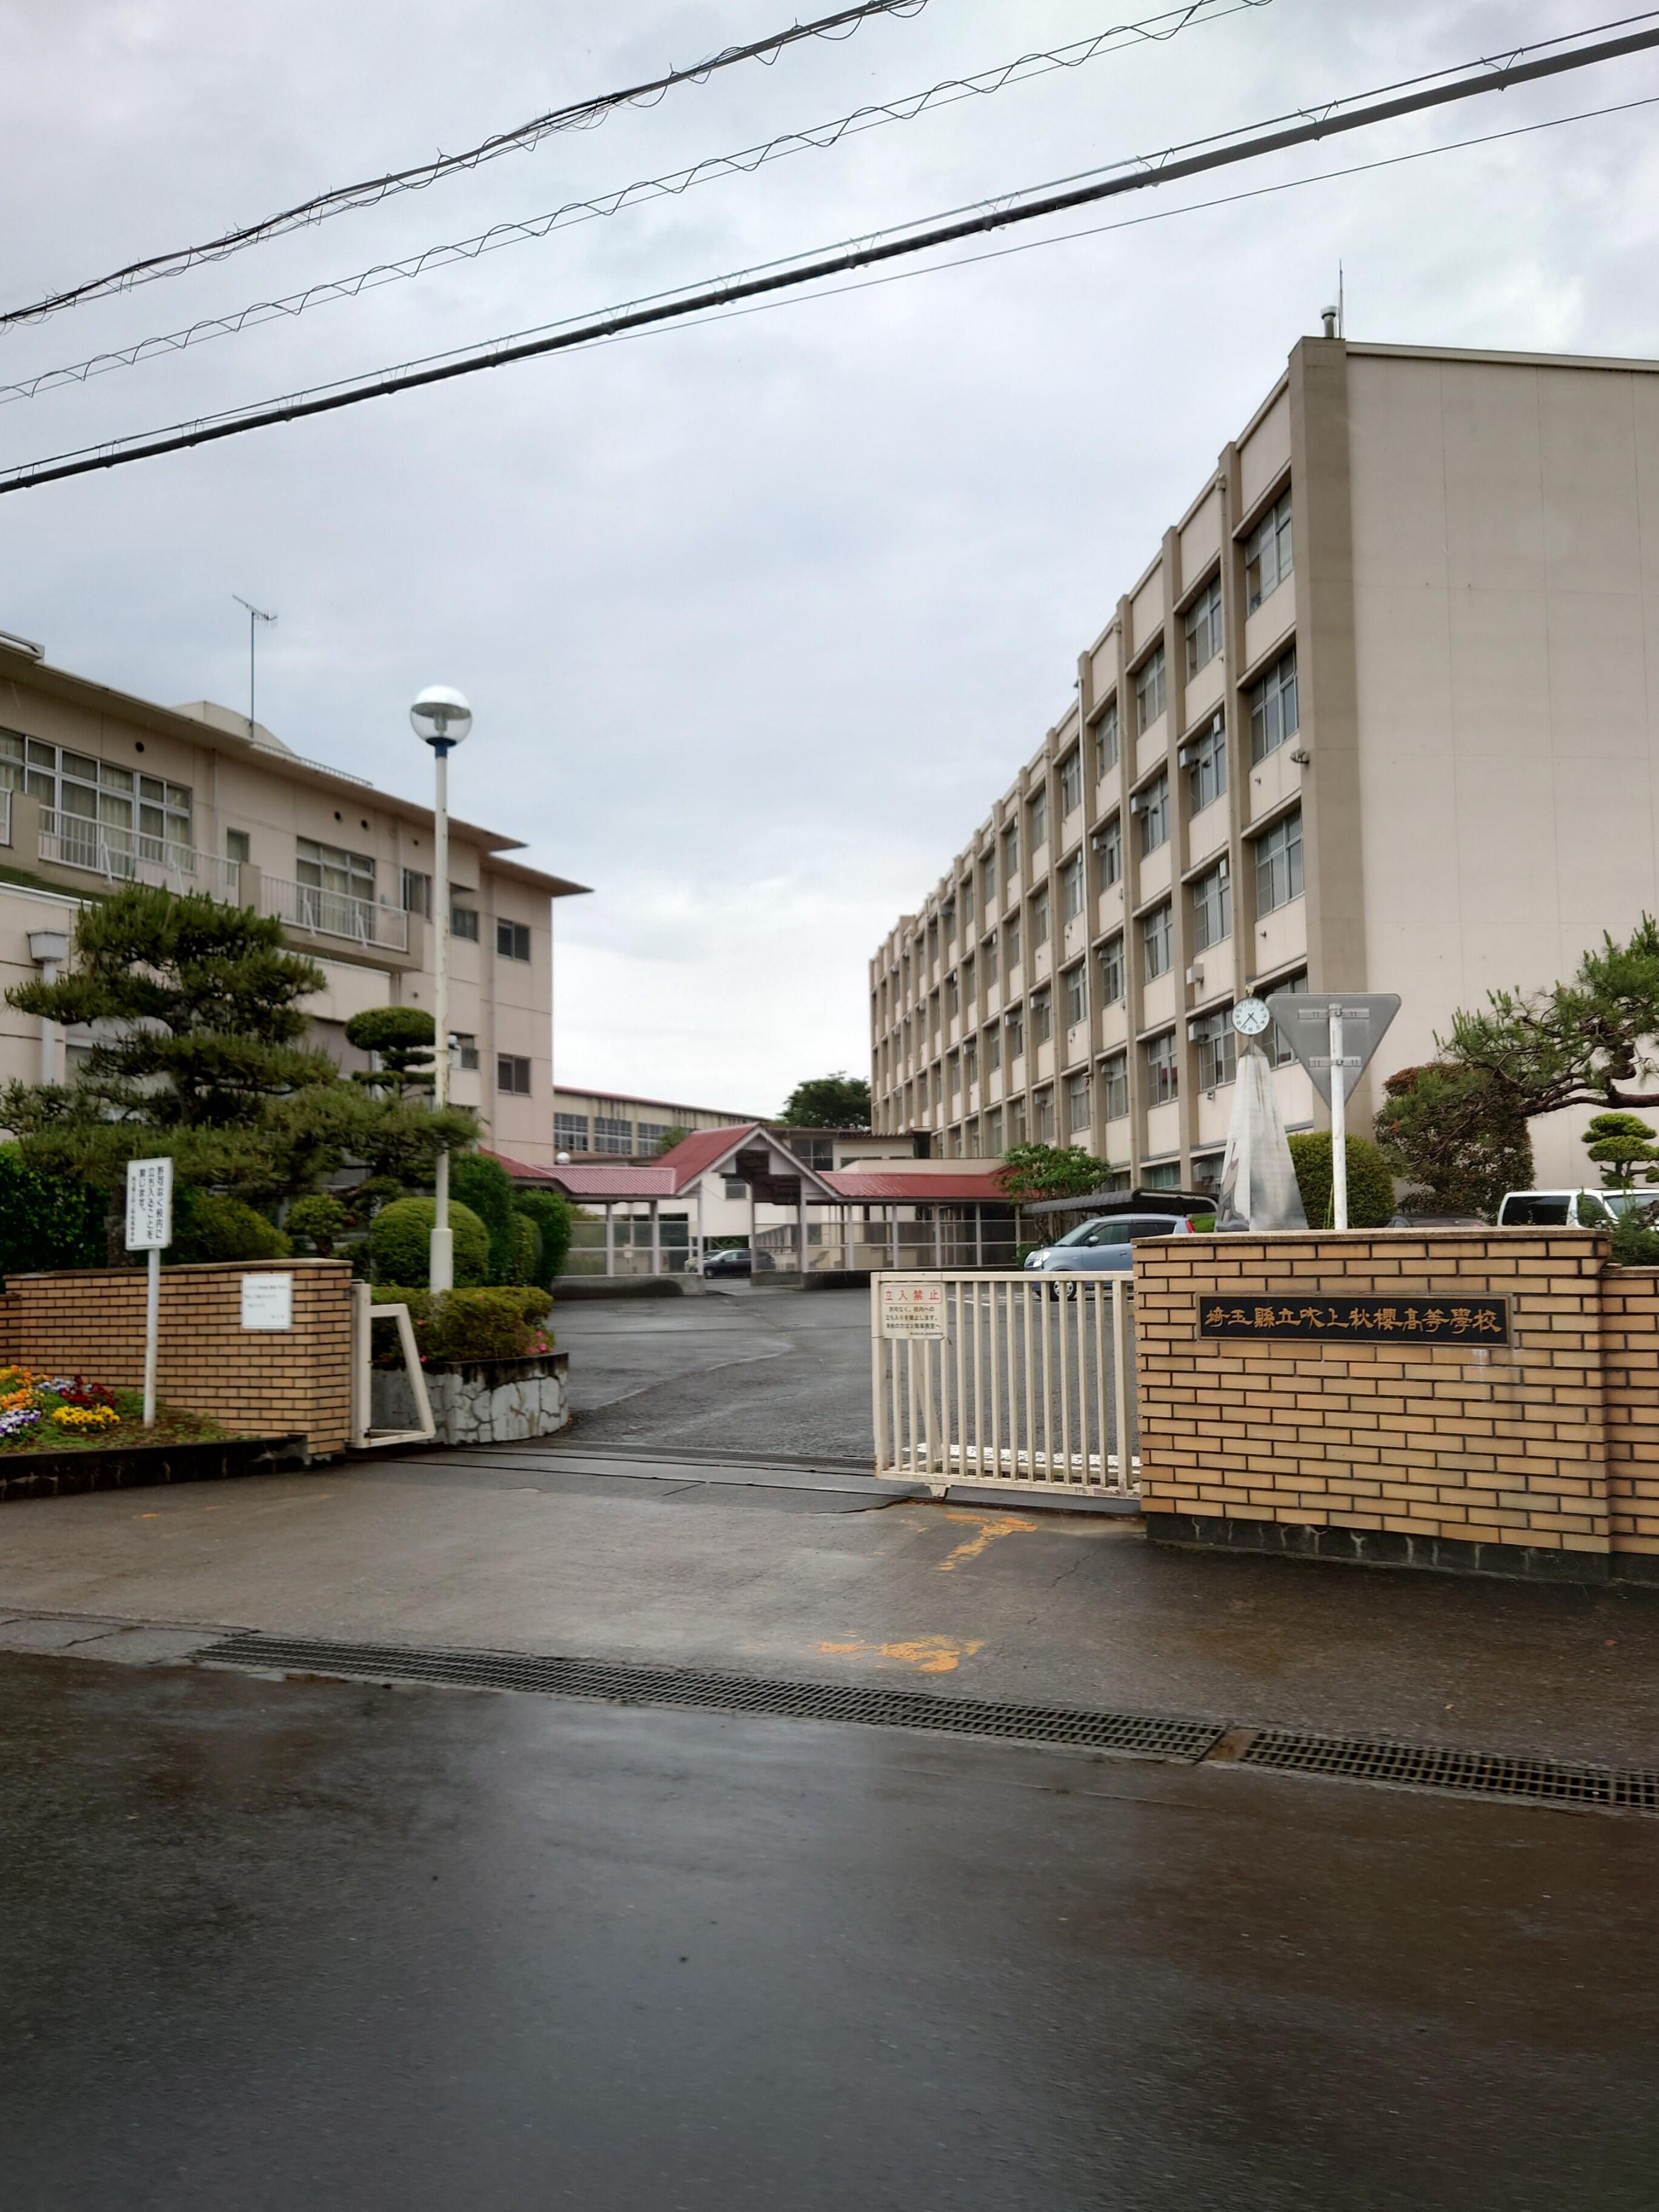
{"points": [[256, 1382], [1540, 1456], [484, 1401]]}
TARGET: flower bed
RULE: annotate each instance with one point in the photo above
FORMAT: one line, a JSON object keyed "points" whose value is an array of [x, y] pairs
{"points": [[67, 1413]]}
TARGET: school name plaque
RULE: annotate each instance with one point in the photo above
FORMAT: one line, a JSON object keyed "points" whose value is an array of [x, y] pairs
{"points": [[1358, 1320]]}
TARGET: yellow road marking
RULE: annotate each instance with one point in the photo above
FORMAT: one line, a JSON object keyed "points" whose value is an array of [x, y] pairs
{"points": [[990, 1527], [928, 1655]]}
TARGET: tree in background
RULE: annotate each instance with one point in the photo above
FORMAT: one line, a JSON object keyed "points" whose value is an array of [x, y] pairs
{"points": [[1052, 1171], [673, 1135], [827, 1102], [1619, 1144], [1588, 1042], [1370, 1187], [400, 1038], [1456, 1135], [47, 1224], [555, 1218], [201, 1013]]}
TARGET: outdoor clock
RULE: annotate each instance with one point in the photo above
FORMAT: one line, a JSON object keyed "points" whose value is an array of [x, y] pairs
{"points": [[1250, 1017]]}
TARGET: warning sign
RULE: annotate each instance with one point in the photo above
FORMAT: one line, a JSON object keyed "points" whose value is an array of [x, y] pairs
{"points": [[912, 1307]]}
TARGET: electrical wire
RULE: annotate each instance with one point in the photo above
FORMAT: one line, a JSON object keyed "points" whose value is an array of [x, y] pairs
{"points": [[1157, 215], [581, 115], [727, 292], [817, 137]]}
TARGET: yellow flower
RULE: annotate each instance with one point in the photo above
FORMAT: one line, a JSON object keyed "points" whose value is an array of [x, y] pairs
{"points": [[86, 1416]]}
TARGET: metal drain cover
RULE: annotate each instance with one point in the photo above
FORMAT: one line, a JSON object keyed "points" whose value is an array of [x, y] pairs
{"points": [[1466, 1773], [1151, 1735]]}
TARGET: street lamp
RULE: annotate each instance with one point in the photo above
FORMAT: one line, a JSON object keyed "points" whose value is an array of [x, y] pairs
{"points": [[441, 718]]}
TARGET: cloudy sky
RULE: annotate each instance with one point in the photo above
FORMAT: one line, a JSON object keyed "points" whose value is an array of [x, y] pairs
{"points": [[756, 618]]}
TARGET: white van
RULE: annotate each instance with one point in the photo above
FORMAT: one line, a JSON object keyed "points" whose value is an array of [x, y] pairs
{"points": [[1570, 1209]]}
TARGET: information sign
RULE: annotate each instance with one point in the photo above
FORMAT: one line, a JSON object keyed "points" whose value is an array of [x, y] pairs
{"points": [[149, 1205], [1358, 1320], [912, 1307], [267, 1302]]}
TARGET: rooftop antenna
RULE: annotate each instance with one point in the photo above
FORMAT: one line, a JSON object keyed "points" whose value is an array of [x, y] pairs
{"points": [[1341, 303], [255, 616]]}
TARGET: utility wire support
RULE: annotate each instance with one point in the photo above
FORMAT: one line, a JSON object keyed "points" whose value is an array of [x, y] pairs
{"points": [[728, 291], [980, 83], [581, 115]]}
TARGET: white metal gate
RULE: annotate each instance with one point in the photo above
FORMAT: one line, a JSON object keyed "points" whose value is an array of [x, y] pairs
{"points": [[1031, 1386]]}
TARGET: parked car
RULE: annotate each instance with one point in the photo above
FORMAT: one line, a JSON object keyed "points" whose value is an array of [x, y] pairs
{"points": [[1438, 1221], [1570, 1209], [1106, 1243], [738, 1260]]}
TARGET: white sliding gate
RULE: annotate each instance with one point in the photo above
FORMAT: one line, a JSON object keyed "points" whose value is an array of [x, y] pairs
{"points": [[1031, 1387]]}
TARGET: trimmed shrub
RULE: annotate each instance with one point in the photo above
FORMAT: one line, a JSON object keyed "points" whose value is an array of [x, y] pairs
{"points": [[1370, 1187], [1636, 1237], [319, 1220], [400, 1242], [526, 1249], [485, 1186], [554, 1215], [493, 1323], [46, 1222], [208, 1225]]}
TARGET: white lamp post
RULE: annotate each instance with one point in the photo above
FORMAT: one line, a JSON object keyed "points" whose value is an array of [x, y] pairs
{"points": [[442, 718]]}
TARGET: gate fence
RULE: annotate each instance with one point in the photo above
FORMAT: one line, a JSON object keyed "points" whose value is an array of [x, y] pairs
{"points": [[1030, 1388]]}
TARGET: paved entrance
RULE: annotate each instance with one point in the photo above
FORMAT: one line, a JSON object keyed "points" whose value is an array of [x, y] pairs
{"points": [[739, 1370]]}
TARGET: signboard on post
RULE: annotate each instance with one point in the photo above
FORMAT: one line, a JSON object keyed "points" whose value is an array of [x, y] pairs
{"points": [[149, 1205], [1304, 1022], [150, 1231], [912, 1309]]}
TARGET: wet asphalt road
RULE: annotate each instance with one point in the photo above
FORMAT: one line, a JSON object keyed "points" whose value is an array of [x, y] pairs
{"points": [[736, 1370], [272, 1946]]}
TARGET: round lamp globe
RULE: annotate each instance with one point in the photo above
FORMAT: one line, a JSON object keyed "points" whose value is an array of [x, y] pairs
{"points": [[440, 716]]}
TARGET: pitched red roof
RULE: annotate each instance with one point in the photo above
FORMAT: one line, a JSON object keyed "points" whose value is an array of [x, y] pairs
{"points": [[695, 1154], [626, 1179], [896, 1187]]}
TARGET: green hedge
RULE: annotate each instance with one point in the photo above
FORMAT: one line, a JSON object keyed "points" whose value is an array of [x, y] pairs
{"points": [[504, 1323], [45, 1223], [400, 1242], [554, 1217], [207, 1225], [1370, 1187], [485, 1186]]}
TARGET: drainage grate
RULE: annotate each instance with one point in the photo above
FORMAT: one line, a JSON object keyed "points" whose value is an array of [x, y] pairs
{"points": [[1148, 1735], [1468, 1773]]}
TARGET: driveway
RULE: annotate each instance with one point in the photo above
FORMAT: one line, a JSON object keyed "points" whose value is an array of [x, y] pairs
{"points": [[736, 1370]]}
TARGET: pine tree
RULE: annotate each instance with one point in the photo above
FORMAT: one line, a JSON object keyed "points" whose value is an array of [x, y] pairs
{"points": [[200, 1017]]}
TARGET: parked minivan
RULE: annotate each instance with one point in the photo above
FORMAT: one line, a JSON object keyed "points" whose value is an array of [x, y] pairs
{"points": [[1570, 1209]]}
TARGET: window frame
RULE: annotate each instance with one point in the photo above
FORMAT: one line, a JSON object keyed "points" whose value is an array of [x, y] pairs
{"points": [[1115, 1081], [1154, 813], [1151, 683], [1202, 627], [1163, 1069], [1281, 842], [1274, 536], [1273, 724], [1157, 940], [515, 1067], [1210, 896]]}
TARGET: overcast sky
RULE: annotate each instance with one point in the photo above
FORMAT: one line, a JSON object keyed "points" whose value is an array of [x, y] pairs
{"points": [[758, 617]]}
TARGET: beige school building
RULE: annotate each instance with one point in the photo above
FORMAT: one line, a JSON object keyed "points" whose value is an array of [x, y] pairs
{"points": [[1382, 713], [99, 788]]}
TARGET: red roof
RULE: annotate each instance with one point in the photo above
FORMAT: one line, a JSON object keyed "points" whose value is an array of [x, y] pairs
{"points": [[517, 1170], [646, 1179], [894, 1186], [695, 1154]]}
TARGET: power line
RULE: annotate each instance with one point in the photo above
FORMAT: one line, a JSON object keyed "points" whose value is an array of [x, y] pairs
{"points": [[1495, 76], [1169, 214], [581, 115], [817, 137]]}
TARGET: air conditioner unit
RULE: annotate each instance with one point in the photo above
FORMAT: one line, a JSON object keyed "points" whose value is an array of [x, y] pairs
{"points": [[1187, 756], [1139, 803], [1195, 973]]}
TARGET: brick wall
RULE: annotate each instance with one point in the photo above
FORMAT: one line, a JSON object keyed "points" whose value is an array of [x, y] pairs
{"points": [[1630, 1349], [258, 1381], [1433, 1448]]}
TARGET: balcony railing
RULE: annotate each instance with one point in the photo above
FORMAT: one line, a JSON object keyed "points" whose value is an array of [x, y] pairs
{"points": [[71, 841], [334, 914]]}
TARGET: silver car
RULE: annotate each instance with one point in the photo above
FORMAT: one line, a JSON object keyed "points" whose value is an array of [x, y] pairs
{"points": [[1106, 1243]]}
